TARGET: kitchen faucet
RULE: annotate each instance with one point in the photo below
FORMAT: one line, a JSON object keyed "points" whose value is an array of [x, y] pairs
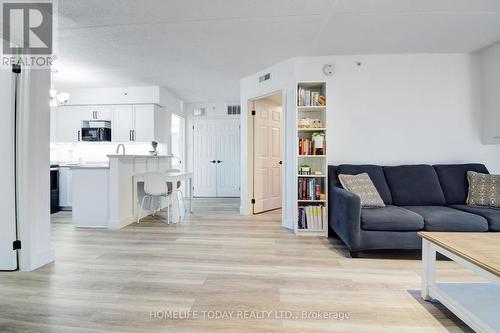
{"points": [[118, 148]]}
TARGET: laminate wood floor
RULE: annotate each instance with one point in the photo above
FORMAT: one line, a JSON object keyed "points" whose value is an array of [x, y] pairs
{"points": [[215, 262]]}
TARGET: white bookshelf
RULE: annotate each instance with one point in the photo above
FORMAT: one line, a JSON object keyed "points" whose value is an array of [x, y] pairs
{"points": [[318, 163]]}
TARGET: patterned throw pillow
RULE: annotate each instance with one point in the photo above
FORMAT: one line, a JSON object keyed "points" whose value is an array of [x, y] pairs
{"points": [[362, 186], [484, 189]]}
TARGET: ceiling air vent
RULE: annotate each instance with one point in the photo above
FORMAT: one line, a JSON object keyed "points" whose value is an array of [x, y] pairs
{"points": [[264, 77], [199, 112], [233, 110]]}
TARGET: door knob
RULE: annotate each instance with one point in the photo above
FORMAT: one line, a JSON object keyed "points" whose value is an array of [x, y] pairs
{"points": [[219, 161], [281, 162], [212, 161]]}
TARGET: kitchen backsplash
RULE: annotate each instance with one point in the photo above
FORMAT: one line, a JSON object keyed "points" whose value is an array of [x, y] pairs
{"points": [[84, 152]]}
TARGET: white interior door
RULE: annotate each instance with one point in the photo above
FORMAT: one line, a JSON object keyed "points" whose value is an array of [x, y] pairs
{"points": [[8, 258], [205, 158], [228, 158], [267, 157]]}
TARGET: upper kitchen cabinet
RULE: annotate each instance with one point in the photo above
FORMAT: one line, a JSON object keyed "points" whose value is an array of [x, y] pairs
{"points": [[99, 112], [129, 123], [139, 123], [68, 123], [122, 125]]}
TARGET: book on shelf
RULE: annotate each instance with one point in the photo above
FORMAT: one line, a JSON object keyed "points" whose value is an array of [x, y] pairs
{"points": [[308, 97], [309, 189], [307, 147], [312, 217]]}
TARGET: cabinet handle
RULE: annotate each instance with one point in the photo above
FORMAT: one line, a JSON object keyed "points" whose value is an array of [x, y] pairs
{"points": [[133, 135], [78, 135], [130, 135]]}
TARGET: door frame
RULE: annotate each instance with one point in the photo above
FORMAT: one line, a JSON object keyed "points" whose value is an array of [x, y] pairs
{"points": [[182, 138], [250, 143]]}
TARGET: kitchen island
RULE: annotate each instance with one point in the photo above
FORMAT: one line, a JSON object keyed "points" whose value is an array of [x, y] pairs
{"points": [[103, 195]]}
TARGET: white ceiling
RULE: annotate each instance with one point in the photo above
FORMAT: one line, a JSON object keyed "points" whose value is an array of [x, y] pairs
{"points": [[199, 49]]}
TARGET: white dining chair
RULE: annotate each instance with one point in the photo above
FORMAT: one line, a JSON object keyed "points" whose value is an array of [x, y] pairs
{"points": [[179, 191], [155, 188]]}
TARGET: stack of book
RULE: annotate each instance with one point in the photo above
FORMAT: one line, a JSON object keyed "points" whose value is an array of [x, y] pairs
{"points": [[307, 97], [309, 189], [306, 147], [312, 217]]}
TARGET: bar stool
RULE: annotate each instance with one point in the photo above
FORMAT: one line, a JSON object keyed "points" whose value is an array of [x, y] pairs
{"points": [[179, 185], [155, 188]]}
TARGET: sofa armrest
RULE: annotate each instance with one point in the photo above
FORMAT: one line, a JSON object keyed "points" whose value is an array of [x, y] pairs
{"points": [[344, 215]]}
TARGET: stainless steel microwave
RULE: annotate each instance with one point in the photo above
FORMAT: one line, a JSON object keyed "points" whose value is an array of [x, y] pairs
{"points": [[96, 134]]}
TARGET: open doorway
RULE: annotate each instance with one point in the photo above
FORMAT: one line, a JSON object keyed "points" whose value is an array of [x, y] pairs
{"points": [[178, 141], [267, 118]]}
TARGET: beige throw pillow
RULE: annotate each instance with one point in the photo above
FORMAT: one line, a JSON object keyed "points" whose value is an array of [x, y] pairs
{"points": [[484, 189], [362, 186]]}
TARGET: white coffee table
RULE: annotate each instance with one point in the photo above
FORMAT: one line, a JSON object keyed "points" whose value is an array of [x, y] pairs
{"points": [[477, 304]]}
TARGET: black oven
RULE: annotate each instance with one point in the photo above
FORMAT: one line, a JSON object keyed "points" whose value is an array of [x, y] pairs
{"points": [[54, 189], [96, 134]]}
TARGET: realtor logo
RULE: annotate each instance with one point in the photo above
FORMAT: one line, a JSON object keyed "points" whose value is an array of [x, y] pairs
{"points": [[27, 28]]}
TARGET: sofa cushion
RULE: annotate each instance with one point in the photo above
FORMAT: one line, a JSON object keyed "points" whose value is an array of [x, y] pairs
{"points": [[439, 218], [376, 175], [484, 189], [453, 179], [390, 218], [362, 186], [414, 185], [490, 214]]}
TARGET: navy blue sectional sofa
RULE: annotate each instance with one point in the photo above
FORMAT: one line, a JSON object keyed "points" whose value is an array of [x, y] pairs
{"points": [[417, 197]]}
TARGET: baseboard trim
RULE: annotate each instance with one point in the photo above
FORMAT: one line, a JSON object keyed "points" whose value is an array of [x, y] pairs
{"points": [[120, 223], [39, 260]]}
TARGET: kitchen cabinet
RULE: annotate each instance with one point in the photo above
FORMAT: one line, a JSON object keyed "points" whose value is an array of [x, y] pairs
{"points": [[144, 130], [123, 123], [68, 123], [138, 123], [129, 123], [98, 112], [65, 188]]}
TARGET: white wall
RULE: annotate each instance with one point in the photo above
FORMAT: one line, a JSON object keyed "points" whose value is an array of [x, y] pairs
{"points": [[488, 61], [396, 109], [282, 79], [115, 95], [393, 109]]}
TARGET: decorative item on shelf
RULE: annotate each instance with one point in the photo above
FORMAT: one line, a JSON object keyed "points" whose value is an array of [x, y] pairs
{"points": [[304, 169], [318, 139], [318, 173], [317, 123], [305, 123], [322, 100]]}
